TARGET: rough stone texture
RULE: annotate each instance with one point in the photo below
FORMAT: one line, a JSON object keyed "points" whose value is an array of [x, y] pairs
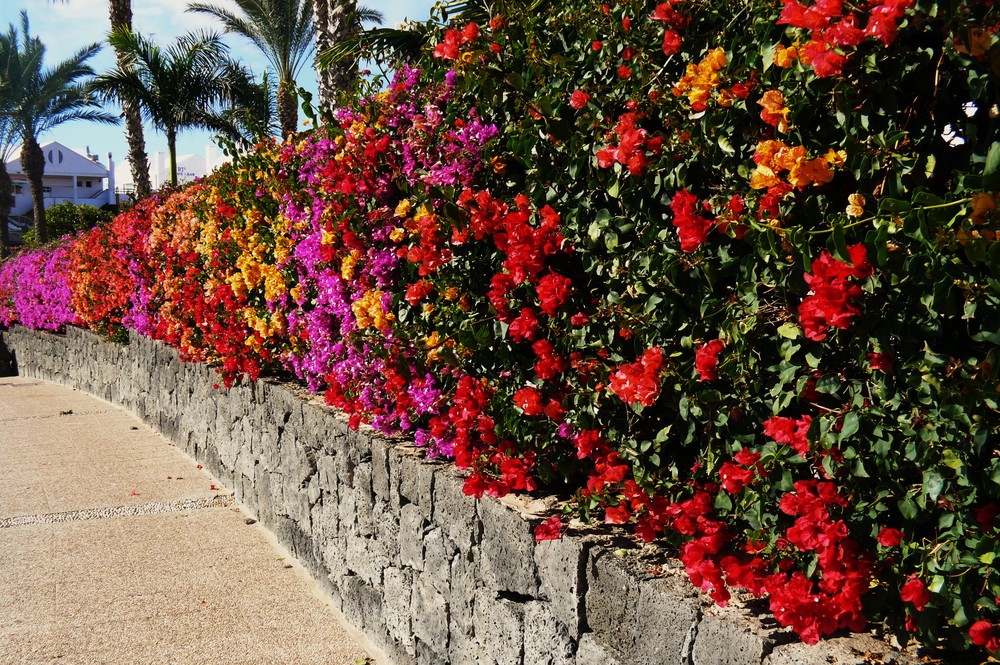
{"points": [[431, 575]]}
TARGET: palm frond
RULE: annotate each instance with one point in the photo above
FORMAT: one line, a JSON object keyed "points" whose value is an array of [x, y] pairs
{"points": [[385, 44]]}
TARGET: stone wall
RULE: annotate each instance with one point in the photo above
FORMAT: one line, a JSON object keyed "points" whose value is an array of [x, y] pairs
{"points": [[431, 575]]}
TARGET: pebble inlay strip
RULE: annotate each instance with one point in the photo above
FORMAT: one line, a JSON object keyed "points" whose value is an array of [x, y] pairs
{"points": [[218, 501], [57, 415]]}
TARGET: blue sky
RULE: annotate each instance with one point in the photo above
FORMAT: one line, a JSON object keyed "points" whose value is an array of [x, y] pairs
{"points": [[65, 27]]}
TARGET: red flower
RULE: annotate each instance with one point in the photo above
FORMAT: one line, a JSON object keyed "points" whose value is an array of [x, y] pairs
{"points": [[550, 364], [525, 327], [986, 516], [418, 291], [639, 381], [882, 362], [825, 61], [915, 591], [596, 45], [734, 478], [529, 400], [889, 537], [606, 157], [706, 359], [790, 432], [616, 514], [550, 529], [984, 634], [578, 99], [692, 229], [553, 291], [833, 300], [624, 72], [671, 42], [741, 90], [587, 442]]}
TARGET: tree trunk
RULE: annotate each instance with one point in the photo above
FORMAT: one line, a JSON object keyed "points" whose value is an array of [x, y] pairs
{"points": [[33, 165], [335, 21], [172, 149], [121, 17], [288, 109]]}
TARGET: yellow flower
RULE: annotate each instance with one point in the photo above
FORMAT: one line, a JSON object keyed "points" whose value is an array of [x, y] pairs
{"points": [[397, 234], [348, 264], [785, 57], [499, 166], [432, 340], [856, 205], [404, 208]]}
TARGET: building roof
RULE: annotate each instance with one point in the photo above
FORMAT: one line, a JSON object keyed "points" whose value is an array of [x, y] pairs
{"points": [[60, 160]]}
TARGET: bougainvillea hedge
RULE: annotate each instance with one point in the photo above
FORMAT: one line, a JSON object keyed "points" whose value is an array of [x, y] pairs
{"points": [[725, 273]]}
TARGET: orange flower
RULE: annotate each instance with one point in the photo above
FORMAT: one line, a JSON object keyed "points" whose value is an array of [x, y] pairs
{"points": [[774, 113], [983, 205], [773, 157], [785, 57], [700, 80]]}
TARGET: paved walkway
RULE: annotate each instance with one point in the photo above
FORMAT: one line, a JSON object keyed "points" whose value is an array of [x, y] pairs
{"points": [[115, 547]]}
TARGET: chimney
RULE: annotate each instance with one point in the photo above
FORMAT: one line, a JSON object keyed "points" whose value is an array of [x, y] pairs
{"points": [[111, 180]]}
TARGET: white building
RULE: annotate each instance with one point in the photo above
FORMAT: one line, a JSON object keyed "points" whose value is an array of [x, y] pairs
{"points": [[189, 167], [69, 177]]}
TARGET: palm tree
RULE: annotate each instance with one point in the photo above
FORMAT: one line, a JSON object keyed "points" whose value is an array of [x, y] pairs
{"points": [[42, 99], [176, 88], [120, 12], [8, 140], [283, 31], [338, 21], [252, 106]]}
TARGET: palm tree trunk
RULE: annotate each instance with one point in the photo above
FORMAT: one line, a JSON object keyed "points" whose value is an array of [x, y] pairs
{"points": [[120, 12], [288, 110], [172, 149], [33, 165], [335, 21], [6, 203]]}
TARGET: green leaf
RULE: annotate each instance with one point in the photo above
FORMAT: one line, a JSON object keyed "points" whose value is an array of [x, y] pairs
{"points": [[992, 159], [789, 330], [850, 426], [893, 206], [933, 484], [951, 459]]}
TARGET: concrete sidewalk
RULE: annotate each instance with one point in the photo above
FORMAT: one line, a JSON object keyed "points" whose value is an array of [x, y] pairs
{"points": [[116, 548]]}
